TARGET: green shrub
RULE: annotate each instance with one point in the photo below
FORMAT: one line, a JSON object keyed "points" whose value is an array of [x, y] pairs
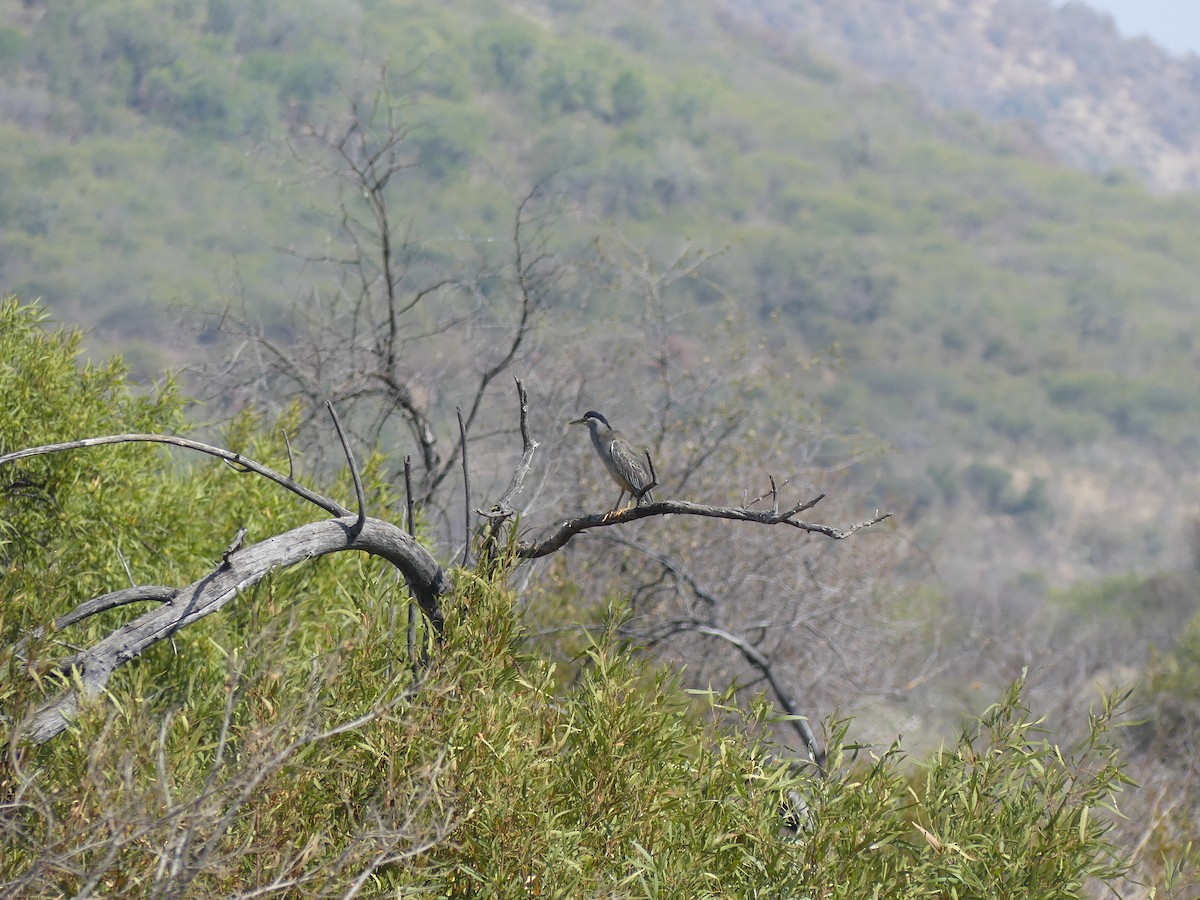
{"points": [[1003, 813], [285, 744]]}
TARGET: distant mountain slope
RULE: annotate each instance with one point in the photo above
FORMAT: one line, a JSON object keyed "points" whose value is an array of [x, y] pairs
{"points": [[1023, 334], [1101, 101]]}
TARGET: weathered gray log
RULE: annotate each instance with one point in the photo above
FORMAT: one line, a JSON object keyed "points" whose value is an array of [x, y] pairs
{"points": [[241, 570]]}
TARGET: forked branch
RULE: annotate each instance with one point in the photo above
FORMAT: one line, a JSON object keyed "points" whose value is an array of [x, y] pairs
{"points": [[92, 667], [567, 530], [240, 567], [237, 461]]}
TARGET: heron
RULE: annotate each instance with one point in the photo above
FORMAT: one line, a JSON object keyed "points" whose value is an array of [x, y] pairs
{"points": [[622, 461]]}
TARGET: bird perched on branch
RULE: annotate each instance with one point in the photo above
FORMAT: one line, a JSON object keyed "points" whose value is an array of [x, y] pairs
{"points": [[622, 461]]}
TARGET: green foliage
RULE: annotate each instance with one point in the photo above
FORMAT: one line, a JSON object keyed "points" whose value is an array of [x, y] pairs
{"points": [[1126, 595], [446, 138], [690, 100], [1139, 408], [864, 222], [571, 78], [630, 98], [506, 49], [993, 487], [285, 740], [1169, 707], [173, 64], [63, 518], [1003, 813], [12, 50], [608, 785]]}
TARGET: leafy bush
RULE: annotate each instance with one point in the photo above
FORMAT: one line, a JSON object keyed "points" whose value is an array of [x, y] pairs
{"points": [[993, 487], [285, 746], [1140, 408], [630, 97], [1004, 813], [505, 49]]}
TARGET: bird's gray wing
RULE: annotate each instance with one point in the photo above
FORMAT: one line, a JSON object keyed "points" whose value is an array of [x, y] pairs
{"points": [[629, 464]]}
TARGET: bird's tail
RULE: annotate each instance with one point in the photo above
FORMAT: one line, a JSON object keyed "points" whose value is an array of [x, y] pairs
{"points": [[647, 497]]}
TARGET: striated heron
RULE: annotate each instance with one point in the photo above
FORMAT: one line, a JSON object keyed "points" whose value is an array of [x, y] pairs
{"points": [[622, 461]]}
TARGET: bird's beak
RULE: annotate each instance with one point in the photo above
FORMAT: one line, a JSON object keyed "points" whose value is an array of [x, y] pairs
{"points": [[577, 422]]}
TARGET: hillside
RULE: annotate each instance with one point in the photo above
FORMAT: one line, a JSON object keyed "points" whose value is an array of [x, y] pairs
{"points": [[268, 731], [1102, 102], [765, 260], [1018, 335]]}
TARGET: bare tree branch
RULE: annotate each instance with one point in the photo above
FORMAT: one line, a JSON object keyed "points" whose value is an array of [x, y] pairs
{"points": [[363, 351], [239, 568], [358, 486], [749, 650], [462, 440], [235, 460], [572, 527], [155, 593], [763, 664], [529, 293], [414, 656], [502, 509], [246, 567]]}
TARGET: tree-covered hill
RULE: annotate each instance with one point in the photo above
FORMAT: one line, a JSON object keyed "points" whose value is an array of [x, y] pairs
{"points": [[987, 305], [295, 743], [765, 262], [1103, 102]]}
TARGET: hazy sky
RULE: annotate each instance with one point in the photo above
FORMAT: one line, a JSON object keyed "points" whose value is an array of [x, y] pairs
{"points": [[1173, 23]]}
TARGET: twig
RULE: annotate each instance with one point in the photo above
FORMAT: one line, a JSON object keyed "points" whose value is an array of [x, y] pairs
{"points": [[751, 653], [529, 302], [291, 460], [502, 510], [462, 439], [671, 565], [234, 546], [412, 525], [523, 401], [148, 592], [358, 486], [413, 656], [125, 565], [572, 527], [235, 461], [763, 663], [771, 493]]}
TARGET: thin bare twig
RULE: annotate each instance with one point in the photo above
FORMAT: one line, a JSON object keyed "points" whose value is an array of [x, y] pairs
{"points": [[358, 485], [502, 509], [156, 593], [235, 460], [524, 272], [462, 435], [413, 658], [572, 527], [763, 664], [291, 460], [752, 654]]}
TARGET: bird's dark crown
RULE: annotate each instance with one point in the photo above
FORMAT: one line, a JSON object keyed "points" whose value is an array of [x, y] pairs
{"points": [[592, 414]]}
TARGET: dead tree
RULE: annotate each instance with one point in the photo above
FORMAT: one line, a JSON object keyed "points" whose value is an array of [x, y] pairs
{"points": [[242, 566], [239, 568], [364, 349], [369, 343]]}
